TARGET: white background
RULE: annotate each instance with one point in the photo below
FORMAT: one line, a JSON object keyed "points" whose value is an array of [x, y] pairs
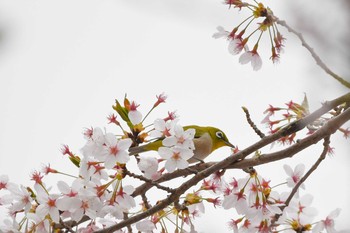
{"points": [[63, 63]]}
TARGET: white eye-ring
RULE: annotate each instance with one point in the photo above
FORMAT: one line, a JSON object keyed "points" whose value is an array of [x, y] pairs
{"points": [[219, 134]]}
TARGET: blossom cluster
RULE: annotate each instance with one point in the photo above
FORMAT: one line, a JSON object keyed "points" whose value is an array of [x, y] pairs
{"points": [[261, 207], [103, 192], [99, 192], [292, 112], [238, 40]]}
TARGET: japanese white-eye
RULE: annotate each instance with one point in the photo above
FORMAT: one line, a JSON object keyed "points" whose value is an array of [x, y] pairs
{"points": [[206, 140]]}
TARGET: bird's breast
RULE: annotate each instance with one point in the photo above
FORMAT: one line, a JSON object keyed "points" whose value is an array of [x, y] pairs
{"points": [[203, 147]]}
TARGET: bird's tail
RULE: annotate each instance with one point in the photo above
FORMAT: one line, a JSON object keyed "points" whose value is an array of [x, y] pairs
{"points": [[147, 147]]}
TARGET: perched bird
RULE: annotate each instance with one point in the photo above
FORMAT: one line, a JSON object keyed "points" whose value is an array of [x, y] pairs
{"points": [[206, 140]]}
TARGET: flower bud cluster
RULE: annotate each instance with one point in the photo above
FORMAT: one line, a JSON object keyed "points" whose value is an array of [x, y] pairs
{"points": [[292, 112], [238, 40]]}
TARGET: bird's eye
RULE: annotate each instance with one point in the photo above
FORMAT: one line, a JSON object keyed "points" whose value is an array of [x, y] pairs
{"points": [[219, 134]]}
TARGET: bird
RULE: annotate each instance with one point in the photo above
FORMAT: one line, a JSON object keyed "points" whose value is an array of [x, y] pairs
{"points": [[206, 140]]}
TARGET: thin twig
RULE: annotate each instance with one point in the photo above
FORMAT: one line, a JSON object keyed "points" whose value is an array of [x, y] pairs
{"points": [[318, 60], [149, 181], [70, 223], [145, 201], [251, 123], [303, 179]]}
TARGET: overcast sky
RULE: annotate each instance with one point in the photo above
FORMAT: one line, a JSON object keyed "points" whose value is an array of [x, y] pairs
{"points": [[63, 63]]}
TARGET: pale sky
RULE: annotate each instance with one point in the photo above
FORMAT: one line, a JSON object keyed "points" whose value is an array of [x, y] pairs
{"points": [[63, 63]]}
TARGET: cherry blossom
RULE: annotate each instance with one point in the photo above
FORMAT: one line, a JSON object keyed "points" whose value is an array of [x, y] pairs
{"points": [[145, 226], [94, 145], [10, 226], [180, 138], [38, 224], [91, 170], [176, 157], [115, 150], [148, 165], [124, 199], [328, 223], [90, 205], [236, 200], [4, 183], [301, 209], [221, 33], [162, 128], [134, 115], [48, 206], [70, 201], [294, 175], [253, 57], [22, 199]]}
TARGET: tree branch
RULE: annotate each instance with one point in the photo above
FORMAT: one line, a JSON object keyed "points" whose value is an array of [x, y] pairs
{"points": [[237, 160], [303, 179], [251, 123], [318, 60], [293, 127]]}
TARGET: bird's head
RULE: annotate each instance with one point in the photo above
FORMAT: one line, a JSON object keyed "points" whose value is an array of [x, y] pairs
{"points": [[219, 138]]}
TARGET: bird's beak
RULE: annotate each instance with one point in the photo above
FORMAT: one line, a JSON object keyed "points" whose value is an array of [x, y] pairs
{"points": [[229, 144]]}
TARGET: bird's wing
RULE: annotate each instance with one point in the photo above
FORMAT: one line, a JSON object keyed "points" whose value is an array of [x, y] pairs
{"points": [[149, 146], [199, 130]]}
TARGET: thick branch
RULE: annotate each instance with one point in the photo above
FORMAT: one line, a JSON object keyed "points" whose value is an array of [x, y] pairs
{"points": [[318, 60]]}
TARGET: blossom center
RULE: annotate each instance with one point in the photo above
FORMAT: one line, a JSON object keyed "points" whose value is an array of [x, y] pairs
{"points": [[113, 150]]}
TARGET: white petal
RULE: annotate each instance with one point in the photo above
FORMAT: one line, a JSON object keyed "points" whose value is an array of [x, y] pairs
{"points": [[256, 62], [190, 133], [159, 124], [318, 227], [110, 162], [135, 117], [128, 189], [170, 165], [245, 58], [306, 200], [165, 152], [335, 213], [124, 144], [63, 187], [169, 141], [310, 211], [186, 154], [229, 201], [78, 214], [288, 170], [68, 203], [42, 210], [181, 164], [111, 139], [299, 169], [98, 136], [122, 157], [145, 226], [55, 215]]}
